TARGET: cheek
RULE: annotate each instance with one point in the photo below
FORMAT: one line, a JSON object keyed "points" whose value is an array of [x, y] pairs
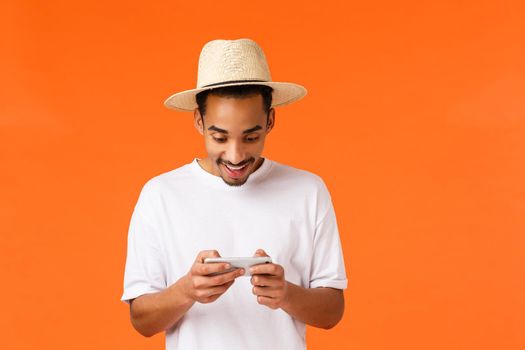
{"points": [[212, 148], [258, 148]]}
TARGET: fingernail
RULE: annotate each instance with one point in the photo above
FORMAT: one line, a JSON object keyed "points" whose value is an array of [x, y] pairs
{"points": [[227, 266]]}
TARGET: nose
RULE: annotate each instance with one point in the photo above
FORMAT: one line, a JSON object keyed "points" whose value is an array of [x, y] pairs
{"points": [[235, 153]]}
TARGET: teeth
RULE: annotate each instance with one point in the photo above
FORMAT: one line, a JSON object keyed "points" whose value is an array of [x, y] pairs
{"points": [[235, 168]]}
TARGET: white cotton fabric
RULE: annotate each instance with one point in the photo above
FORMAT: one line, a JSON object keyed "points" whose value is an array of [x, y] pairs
{"points": [[285, 211]]}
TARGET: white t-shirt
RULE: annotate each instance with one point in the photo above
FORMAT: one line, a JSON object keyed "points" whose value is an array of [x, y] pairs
{"points": [[283, 210]]}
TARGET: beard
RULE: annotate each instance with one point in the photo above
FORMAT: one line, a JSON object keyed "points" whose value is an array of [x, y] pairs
{"points": [[219, 161]]}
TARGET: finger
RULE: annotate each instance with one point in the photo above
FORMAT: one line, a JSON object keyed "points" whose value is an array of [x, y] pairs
{"points": [[217, 290], [207, 254], [210, 268], [224, 277], [270, 302], [226, 285], [268, 269], [210, 299], [229, 284], [203, 281], [265, 280], [266, 292], [260, 252]]}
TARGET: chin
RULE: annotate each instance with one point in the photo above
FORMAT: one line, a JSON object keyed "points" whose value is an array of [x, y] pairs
{"points": [[234, 184]]}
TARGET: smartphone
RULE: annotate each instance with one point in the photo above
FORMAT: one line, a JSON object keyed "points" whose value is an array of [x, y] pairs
{"points": [[236, 263]]}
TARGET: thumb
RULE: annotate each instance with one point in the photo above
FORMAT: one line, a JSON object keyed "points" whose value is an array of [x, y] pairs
{"points": [[260, 252]]}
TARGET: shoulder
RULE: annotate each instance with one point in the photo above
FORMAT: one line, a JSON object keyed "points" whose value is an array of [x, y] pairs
{"points": [[304, 176], [298, 177], [302, 185], [156, 185]]}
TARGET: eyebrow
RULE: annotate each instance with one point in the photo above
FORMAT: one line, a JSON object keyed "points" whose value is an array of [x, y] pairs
{"points": [[247, 131]]}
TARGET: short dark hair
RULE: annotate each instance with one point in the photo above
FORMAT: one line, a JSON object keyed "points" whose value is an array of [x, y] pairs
{"points": [[237, 91]]}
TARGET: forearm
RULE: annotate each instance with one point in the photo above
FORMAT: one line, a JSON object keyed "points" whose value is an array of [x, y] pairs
{"points": [[318, 307], [156, 312]]}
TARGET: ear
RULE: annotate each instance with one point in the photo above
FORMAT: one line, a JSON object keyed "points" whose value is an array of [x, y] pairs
{"points": [[271, 120], [198, 121]]}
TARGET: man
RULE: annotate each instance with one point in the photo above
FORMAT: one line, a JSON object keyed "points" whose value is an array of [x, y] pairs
{"points": [[234, 203]]}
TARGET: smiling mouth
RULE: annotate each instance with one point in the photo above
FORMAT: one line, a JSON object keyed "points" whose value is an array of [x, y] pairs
{"points": [[236, 172]]}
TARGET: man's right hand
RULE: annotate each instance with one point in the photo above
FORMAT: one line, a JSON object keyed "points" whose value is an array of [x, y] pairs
{"points": [[201, 287]]}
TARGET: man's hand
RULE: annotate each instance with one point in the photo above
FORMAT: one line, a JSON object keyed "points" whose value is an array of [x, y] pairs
{"points": [[155, 312], [269, 284], [200, 287]]}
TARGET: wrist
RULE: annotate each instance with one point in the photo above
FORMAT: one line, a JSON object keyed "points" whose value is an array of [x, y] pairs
{"points": [[181, 290], [288, 295]]}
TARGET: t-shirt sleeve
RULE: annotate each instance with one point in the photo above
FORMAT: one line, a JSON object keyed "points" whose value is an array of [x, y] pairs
{"points": [[144, 272], [328, 269]]}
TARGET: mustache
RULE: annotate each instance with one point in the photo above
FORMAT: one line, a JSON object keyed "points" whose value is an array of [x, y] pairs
{"points": [[243, 163]]}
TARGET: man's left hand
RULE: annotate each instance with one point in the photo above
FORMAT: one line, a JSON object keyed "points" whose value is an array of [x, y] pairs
{"points": [[269, 284]]}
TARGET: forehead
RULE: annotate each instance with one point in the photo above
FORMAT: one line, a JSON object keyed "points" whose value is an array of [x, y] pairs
{"points": [[235, 113]]}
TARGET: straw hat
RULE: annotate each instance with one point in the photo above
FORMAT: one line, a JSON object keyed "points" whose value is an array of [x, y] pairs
{"points": [[234, 62]]}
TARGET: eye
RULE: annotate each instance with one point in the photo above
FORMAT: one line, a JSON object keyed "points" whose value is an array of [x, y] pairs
{"points": [[219, 139], [252, 139]]}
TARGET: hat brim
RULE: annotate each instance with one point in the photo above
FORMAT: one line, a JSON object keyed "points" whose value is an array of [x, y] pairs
{"points": [[283, 94]]}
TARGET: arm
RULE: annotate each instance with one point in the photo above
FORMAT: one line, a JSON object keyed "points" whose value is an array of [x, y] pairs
{"points": [[318, 307], [156, 312]]}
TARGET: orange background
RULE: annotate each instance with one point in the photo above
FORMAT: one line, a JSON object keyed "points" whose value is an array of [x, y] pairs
{"points": [[415, 119]]}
